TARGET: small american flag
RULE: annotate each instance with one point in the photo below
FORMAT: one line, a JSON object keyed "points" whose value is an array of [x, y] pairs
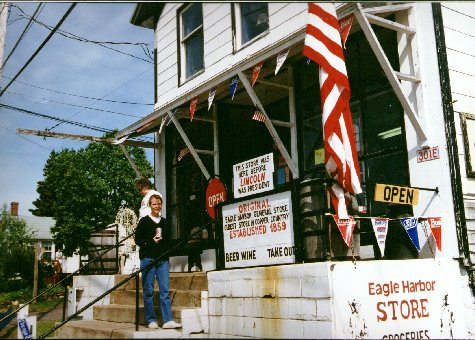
{"points": [[183, 153], [259, 116], [323, 45]]}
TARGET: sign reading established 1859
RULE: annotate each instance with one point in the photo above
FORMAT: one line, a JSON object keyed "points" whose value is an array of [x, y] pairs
{"points": [[394, 194], [259, 231]]}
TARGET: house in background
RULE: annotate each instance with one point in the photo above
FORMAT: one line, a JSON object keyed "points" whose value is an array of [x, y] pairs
{"points": [[42, 229]]}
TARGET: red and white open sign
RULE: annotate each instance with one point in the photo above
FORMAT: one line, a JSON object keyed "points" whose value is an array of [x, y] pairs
{"points": [[427, 154], [215, 193]]}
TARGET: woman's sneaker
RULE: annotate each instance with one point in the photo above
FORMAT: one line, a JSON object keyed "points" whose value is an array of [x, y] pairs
{"points": [[153, 325], [171, 324]]}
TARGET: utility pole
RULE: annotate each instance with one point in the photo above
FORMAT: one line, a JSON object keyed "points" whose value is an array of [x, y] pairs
{"points": [[3, 31]]}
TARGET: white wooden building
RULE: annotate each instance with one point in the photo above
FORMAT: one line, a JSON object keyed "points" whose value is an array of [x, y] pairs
{"points": [[410, 67]]}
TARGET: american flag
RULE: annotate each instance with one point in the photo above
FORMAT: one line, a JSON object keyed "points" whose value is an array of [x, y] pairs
{"points": [[183, 153], [259, 116], [323, 45]]}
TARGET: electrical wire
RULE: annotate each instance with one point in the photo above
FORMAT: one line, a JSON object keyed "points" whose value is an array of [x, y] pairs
{"points": [[45, 100], [144, 46], [80, 96], [41, 46], [27, 27]]}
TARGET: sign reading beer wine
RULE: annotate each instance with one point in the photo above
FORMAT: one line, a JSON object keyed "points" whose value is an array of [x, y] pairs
{"points": [[259, 231]]}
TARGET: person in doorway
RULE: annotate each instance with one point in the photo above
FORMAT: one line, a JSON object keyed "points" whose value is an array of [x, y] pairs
{"points": [[194, 250], [145, 188], [153, 237]]}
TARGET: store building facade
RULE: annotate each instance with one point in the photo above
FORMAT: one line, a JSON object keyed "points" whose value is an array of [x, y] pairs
{"points": [[278, 265]]}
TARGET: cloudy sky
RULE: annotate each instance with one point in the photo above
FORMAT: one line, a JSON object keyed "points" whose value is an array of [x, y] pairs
{"points": [[66, 80]]}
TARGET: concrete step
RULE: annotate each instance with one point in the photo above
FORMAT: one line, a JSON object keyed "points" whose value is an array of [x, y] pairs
{"points": [[180, 298], [126, 313], [94, 329], [178, 281]]}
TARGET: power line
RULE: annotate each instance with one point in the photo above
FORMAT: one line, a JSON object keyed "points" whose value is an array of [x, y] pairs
{"points": [[27, 27], [80, 96], [73, 36], [41, 46], [45, 100], [3, 127]]}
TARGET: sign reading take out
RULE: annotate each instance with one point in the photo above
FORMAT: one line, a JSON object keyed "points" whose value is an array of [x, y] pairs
{"points": [[394, 194]]}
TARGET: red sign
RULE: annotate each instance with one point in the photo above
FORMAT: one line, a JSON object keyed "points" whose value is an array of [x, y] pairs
{"points": [[215, 193], [427, 154]]}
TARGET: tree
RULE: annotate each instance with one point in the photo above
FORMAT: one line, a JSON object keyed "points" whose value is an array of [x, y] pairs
{"points": [[83, 190], [17, 253]]}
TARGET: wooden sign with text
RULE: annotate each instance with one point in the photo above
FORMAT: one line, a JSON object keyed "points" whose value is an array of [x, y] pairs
{"points": [[395, 194]]}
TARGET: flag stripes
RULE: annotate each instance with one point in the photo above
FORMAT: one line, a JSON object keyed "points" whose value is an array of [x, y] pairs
{"points": [[183, 153], [323, 45], [259, 116]]}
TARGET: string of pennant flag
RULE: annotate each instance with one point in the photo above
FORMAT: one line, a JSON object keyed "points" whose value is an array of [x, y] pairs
{"points": [[381, 226]]}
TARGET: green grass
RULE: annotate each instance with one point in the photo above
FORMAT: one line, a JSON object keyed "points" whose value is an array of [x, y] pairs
{"points": [[10, 332]]}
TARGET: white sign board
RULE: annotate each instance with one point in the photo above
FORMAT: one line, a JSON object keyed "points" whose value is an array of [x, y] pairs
{"points": [[403, 299], [259, 231], [253, 176]]}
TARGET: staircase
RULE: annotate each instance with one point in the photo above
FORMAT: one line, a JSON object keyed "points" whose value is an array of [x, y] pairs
{"points": [[188, 292]]}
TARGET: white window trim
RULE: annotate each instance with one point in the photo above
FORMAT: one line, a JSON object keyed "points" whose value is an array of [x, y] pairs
{"points": [[238, 29], [183, 40]]}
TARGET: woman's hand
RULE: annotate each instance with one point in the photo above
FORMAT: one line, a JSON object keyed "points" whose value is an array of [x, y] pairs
{"points": [[156, 239]]}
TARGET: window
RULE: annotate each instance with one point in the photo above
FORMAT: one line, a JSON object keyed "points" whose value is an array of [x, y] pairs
{"points": [[252, 20], [191, 41]]}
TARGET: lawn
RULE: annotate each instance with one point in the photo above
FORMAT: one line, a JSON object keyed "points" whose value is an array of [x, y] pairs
{"points": [[52, 300]]}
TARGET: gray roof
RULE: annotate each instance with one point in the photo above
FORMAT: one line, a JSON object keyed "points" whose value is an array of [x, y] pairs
{"points": [[40, 225]]}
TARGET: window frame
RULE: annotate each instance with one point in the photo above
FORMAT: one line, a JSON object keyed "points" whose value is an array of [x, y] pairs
{"points": [[237, 28], [183, 40]]}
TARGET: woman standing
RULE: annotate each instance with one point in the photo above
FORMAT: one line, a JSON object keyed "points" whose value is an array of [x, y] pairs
{"points": [[153, 237]]}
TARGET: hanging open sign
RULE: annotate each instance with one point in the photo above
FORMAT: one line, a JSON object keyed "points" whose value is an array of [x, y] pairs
{"points": [[215, 193], [394, 194]]}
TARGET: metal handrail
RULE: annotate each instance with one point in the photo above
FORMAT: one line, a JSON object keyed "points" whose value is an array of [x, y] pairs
{"points": [[70, 275], [127, 279]]}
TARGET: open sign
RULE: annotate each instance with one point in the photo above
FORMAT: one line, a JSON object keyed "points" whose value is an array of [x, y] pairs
{"points": [[394, 194], [215, 193]]}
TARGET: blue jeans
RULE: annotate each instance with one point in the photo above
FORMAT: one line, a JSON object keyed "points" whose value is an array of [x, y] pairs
{"points": [[160, 271]]}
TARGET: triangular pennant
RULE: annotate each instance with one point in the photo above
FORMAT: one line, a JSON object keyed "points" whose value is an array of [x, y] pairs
{"points": [[193, 103], [346, 227], [255, 72], [308, 60], [345, 25], [233, 86], [380, 227], [410, 224], [435, 224], [211, 97], [144, 127], [280, 60]]}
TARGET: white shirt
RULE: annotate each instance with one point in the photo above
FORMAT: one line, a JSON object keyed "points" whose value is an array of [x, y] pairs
{"points": [[144, 208]]}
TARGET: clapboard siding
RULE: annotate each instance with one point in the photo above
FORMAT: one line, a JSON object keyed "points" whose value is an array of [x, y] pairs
{"points": [[284, 20]]}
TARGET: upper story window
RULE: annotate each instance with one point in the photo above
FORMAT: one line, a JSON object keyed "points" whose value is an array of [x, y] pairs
{"points": [[191, 40], [252, 19]]}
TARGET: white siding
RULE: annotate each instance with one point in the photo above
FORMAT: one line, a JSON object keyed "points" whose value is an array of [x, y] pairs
{"points": [[284, 20]]}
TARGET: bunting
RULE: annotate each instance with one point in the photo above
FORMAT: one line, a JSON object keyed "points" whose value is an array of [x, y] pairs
{"points": [[193, 103], [435, 224], [233, 86], [280, 60], [380, 227], [323, 45], [255, 72], [410, 224], [345, 27], [211, 97], [346, 227]]}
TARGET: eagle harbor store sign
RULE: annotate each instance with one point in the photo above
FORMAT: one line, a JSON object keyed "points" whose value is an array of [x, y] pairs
{"points": [[253, 176], [398, 299], [259, 231]]}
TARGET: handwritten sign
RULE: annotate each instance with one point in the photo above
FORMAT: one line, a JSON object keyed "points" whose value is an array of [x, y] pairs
{"points": [[394, 194], [253, 176], [259, 231]]}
